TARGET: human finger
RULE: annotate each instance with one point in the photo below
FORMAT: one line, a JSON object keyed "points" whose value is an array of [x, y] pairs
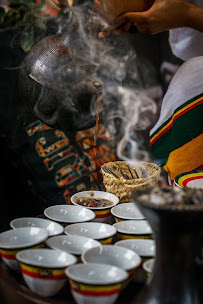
{"points": [[97, 3], [127, 18], [122, 29], [56, 5]]}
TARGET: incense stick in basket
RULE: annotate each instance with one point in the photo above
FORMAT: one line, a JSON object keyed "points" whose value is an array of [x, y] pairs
{"points": [[107, 170], [130, 171]]}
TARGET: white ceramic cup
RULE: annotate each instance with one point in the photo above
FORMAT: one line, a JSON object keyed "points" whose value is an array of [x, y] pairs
{"points": [[102, 214], [44, 269]]}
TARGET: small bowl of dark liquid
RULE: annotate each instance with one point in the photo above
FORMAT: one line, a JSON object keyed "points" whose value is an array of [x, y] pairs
{"points": [[100, 202]]}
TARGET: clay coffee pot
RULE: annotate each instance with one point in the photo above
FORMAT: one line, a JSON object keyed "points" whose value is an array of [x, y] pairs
{"points": [[56, 80]]}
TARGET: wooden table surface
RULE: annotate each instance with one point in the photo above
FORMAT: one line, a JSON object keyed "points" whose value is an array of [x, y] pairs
{"points": [[13, 290]]}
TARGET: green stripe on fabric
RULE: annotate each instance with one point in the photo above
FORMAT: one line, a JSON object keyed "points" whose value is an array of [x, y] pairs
{"points": [[178, 109], [184, 129]]}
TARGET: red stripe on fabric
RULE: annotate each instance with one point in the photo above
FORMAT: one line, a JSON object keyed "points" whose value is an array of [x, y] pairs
{"points": [[161, 134], [37, 275], [103, 215], [190, 179], [96, 293], [8, 256], [187, 110]]}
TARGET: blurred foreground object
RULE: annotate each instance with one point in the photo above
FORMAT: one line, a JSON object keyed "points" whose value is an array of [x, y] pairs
{"points": [[175, 216]]}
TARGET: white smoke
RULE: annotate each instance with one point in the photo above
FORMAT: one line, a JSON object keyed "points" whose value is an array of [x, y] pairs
{"points": [[113, 63], [138, 110]]}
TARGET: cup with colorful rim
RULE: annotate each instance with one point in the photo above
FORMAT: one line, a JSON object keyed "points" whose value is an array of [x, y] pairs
{"points": [[102, 214], [52, 227], [14, 240], [68, 214], [148, 266], [115, 256], [133, 230], [146, 249], [43, 270], [126, 211], [71, 244], [192, 179], [98, 231], [96, 283]]}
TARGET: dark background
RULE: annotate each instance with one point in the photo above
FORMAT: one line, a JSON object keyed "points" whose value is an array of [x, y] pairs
{"points": [[16, 199]]}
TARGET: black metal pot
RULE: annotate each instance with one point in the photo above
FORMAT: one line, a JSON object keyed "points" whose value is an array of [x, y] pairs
{"points": [[57, 78], [174, 279]]}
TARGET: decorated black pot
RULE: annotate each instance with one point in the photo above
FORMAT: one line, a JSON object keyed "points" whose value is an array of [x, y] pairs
{"points": [[176, 228]]}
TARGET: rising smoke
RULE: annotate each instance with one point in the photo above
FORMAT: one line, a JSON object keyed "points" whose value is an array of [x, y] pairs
{"points": [[112, 62], [125, 106]]}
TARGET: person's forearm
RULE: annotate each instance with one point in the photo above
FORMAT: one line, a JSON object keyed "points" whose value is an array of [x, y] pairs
{"points": [[195, 17]]}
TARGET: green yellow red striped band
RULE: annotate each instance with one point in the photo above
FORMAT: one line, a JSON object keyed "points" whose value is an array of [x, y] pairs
{"points": [[43, 273], [182, 160], [95, 291], [176, 115]]}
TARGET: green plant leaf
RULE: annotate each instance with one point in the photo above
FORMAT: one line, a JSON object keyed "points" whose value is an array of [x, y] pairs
{"points": [[11, 18], [24, 16], [2, 15], [27, 38]]}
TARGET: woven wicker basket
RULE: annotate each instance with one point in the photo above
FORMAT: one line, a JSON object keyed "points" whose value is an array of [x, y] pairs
{"points": [[145, 175]]}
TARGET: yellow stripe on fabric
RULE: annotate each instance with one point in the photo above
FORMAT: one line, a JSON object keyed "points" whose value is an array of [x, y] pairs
{"points": [[186, 158], [176, 114], [36, 269], [182, 178], [84, 287]]}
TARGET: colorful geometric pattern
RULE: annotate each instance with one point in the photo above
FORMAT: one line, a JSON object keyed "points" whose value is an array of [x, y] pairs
{"points": [[65, 163]]}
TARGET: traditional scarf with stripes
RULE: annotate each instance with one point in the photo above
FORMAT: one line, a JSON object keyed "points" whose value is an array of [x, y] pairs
{"points": [[177, 138]]}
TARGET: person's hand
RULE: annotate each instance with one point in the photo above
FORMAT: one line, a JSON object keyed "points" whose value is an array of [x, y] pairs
{"points": [[60, 5], [162, 16]]}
